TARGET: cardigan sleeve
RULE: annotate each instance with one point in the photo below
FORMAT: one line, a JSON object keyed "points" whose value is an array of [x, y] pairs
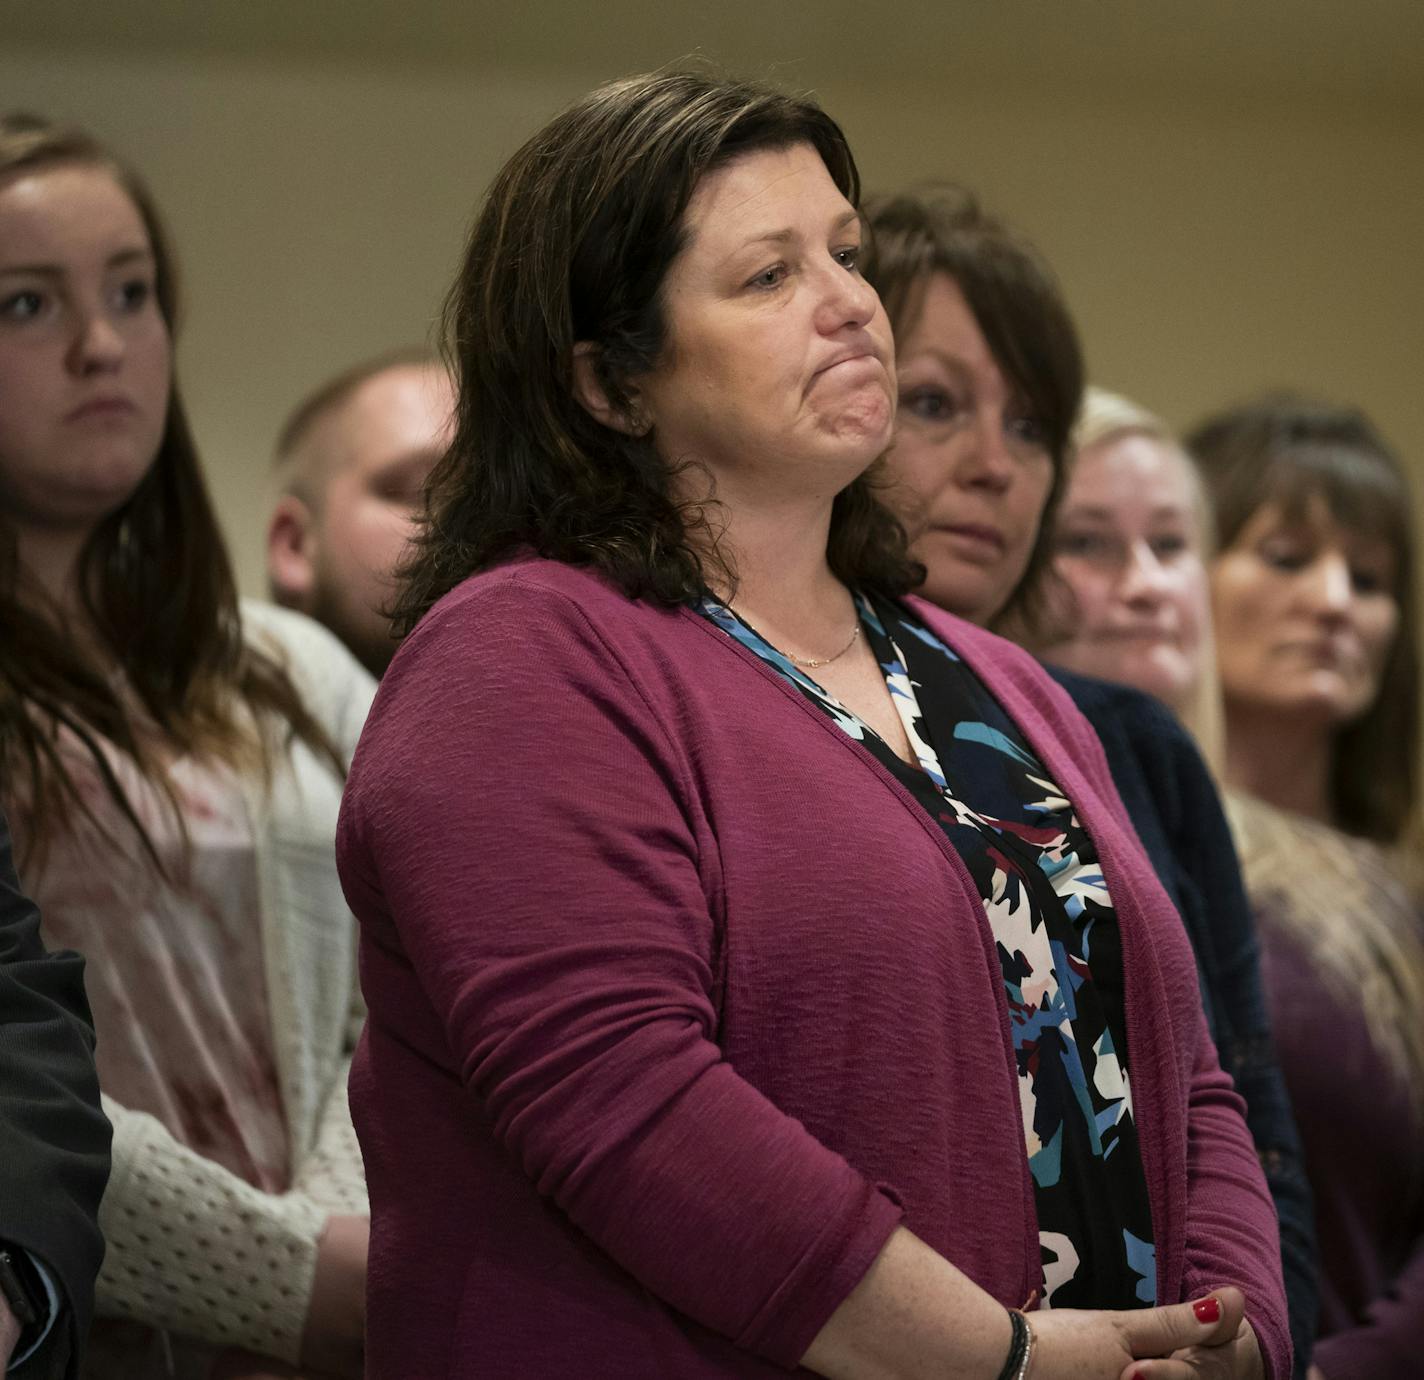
{"points": [[536, 836], [1230, 1236], [196, 1249]]}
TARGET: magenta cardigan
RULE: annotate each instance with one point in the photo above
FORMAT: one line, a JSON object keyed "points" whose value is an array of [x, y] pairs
{"points": [[679, 1003]]}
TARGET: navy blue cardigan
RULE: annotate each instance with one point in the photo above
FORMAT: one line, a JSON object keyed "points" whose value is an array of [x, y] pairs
{"points": [[1174, 807]]}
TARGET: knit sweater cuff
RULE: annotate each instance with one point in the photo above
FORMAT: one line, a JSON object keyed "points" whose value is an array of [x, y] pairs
{"points": [[194, 1249]]}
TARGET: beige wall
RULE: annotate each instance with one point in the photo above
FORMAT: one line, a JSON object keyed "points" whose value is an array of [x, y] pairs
{"points": [[1210, 243]]}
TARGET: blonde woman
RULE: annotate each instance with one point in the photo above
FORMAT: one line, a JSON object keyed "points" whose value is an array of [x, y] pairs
{"points": [[1130, 601]]}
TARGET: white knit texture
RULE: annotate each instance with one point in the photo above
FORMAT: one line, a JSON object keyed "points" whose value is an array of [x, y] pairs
{"points": [[191, 1247]]}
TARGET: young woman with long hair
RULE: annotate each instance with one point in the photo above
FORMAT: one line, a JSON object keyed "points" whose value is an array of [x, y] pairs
{"points": [[171, 762]]}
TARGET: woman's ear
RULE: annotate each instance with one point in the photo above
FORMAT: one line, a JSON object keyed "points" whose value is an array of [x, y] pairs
{"points": [[593, 397]]}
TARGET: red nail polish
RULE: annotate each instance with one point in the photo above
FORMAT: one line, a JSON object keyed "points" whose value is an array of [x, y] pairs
{"points": [[1208, 1310]]}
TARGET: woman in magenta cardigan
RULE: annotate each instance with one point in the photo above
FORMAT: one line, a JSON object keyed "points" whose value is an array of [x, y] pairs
{"points": [[761, 968]]}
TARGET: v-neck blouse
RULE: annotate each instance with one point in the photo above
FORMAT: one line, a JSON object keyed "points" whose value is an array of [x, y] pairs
{"points": [[1048, 907]]}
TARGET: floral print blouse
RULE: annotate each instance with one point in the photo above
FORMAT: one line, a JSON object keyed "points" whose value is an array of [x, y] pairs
{"points": [[1059, 949]]}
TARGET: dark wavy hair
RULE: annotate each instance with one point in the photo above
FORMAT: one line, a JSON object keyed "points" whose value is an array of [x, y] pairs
{"points": [[1290, 450], [572, 245], [155, 584], [1017, 303]]}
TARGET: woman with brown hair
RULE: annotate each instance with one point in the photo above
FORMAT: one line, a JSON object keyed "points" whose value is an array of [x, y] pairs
{"points": [[1316, 630], [761, 969], [171, 764], [990, 378]]}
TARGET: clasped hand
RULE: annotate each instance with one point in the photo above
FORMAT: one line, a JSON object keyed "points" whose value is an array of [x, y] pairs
{"points": [[1180, 1342]]}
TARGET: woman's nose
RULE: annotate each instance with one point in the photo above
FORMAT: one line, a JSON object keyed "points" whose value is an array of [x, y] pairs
{"points": [[986, 461], [1327, 586], [97, 346], [1143, 574], [848, 300]]}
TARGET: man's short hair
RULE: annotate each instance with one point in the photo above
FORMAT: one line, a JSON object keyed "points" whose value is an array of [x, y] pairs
{"points": [[330, 397]]}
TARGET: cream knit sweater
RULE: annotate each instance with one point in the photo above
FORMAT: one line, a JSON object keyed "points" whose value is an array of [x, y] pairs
{"points": [[191, 1247]]}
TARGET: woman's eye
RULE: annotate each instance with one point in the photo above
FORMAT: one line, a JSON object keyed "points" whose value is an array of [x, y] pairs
{"points": [[1165, 547], [847, 257], [134, 294], [1284, 557], [930, 404], [403, 492], [21, 306], [1086, 545], [768, 277], [1027, 429], [1367, 581]]}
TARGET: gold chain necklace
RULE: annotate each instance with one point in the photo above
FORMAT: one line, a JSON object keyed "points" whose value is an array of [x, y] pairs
{"points": [[815, 662], [812, 663]]}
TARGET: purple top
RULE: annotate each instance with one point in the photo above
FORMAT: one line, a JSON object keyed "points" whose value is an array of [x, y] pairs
{"points": [[658, 1056], [1328, 907], [1361, 1139]]}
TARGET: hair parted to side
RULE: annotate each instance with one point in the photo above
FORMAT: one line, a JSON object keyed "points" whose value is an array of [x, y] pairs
{"points": [[1106, 416], [1016, 301], [155, 583], [572, 245], [1288, 450]]}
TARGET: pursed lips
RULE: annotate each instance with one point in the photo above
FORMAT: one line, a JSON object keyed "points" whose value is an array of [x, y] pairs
{"points": [[846, 357], [112, 405], [987, 537]]}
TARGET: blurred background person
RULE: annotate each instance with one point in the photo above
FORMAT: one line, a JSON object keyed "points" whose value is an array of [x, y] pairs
{"points": [[1315, 615], [171, 766], [990, 377], [54, 1145], [352, 460], [1126, 596], [715, 898], [1312, 590]]}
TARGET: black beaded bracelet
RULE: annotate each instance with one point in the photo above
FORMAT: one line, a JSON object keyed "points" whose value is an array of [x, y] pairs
{"points": [[1018, 1347]]}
